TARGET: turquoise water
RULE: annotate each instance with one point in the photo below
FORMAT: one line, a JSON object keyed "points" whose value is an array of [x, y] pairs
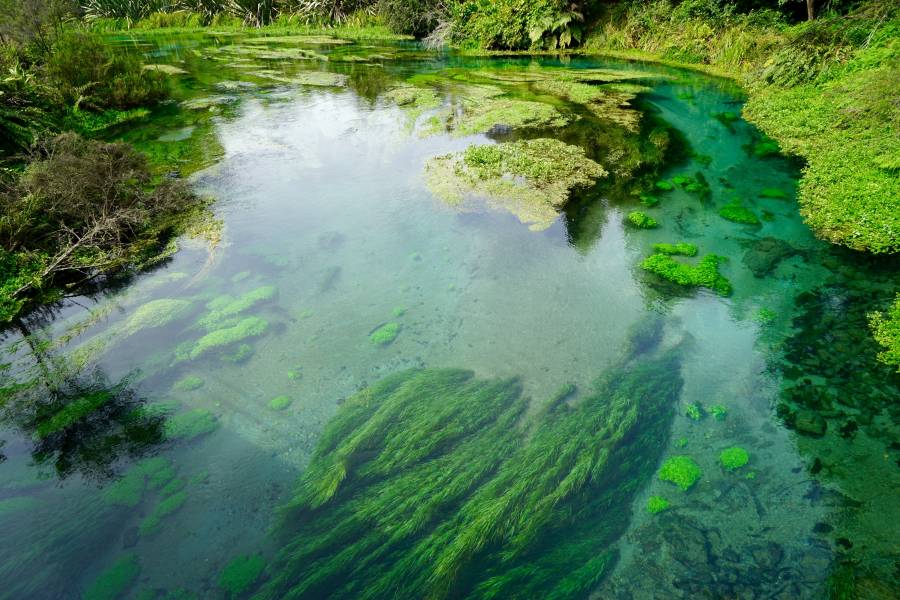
{"points": [[321, 194]]}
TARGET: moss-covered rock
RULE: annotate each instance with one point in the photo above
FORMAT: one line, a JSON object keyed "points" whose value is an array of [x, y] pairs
{"points": [[532, 179]]}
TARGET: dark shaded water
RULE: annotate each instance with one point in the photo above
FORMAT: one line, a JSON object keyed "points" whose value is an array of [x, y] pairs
{"points": [[329, 232]]}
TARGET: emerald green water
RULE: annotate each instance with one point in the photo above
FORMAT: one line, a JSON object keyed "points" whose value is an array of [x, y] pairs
{"points": [[321, 192]]}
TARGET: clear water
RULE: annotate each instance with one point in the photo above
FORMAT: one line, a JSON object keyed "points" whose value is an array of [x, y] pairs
{"points": [[321, 194]]}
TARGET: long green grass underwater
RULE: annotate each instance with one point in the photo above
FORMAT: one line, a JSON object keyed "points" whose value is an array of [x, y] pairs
{"points": [[431, 484]]}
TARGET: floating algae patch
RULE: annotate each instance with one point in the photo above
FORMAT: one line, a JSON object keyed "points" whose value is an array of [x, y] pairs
{"points": [[705, 275], [508, 114], [299, 39], [426, 486], [532, 179]]}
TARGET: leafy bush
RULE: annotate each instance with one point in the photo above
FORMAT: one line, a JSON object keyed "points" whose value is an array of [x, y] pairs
{"points": [[85, 73]]}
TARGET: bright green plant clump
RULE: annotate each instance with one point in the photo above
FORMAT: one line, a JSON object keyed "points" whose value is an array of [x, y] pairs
{"points": [[114, 580], [74, 412], [682, 180], [702, 159], [681, 443], [664, 185], [693, 412], [648, 200], [241, 573], [739, 214], [533, 179], [705, 274], [170, 504], [733, 458], [429, 475], [718, 412], [886, 331], [399, 310], [158, 313], [173, 486], [243, 352], [657, 504], [199, 477], [191, 424], [681, 248], [777, 194], [680, 470], [750, 475], [226, 306], [129, 489], [643, 221], [306, 314], [191, 383], [280, 403], [385, 334]]}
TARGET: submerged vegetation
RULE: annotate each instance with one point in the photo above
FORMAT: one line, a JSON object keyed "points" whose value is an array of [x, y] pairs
{"points": [[429, 484], [705, 274]]}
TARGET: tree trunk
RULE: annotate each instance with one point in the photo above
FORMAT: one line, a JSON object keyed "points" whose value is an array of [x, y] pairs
{"points": [[810, 9]]}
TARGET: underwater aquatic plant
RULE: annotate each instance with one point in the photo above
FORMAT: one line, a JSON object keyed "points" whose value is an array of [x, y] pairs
{"points": [[739, 214], [191, 424], [241, 573], [705, 274], [399, 310], [680, 248], [734, 458], [160, 477], [129, 489], [115, 580], [226, 306], [702, 159], [682, 180], [157, 313], [295, 373], [680, 470], [385, 334], [154, 522], [643, 221], [692, 412], [244, 328], [664, 185], [648, 200], [727, 119], [777, 194], [657, 504], [718, 412], [173, 486], [191, 383], [428, 477], [243, 352], [763, 316], [306, 314], [681, 443], [280, 403], [750, 475]]}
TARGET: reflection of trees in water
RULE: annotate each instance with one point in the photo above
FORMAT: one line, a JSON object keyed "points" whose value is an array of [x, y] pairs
{"points": [[76, 419], [86, 423]]}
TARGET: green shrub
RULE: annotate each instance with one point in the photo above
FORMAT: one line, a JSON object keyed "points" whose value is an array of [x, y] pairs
{"points": [[85, 73]]}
